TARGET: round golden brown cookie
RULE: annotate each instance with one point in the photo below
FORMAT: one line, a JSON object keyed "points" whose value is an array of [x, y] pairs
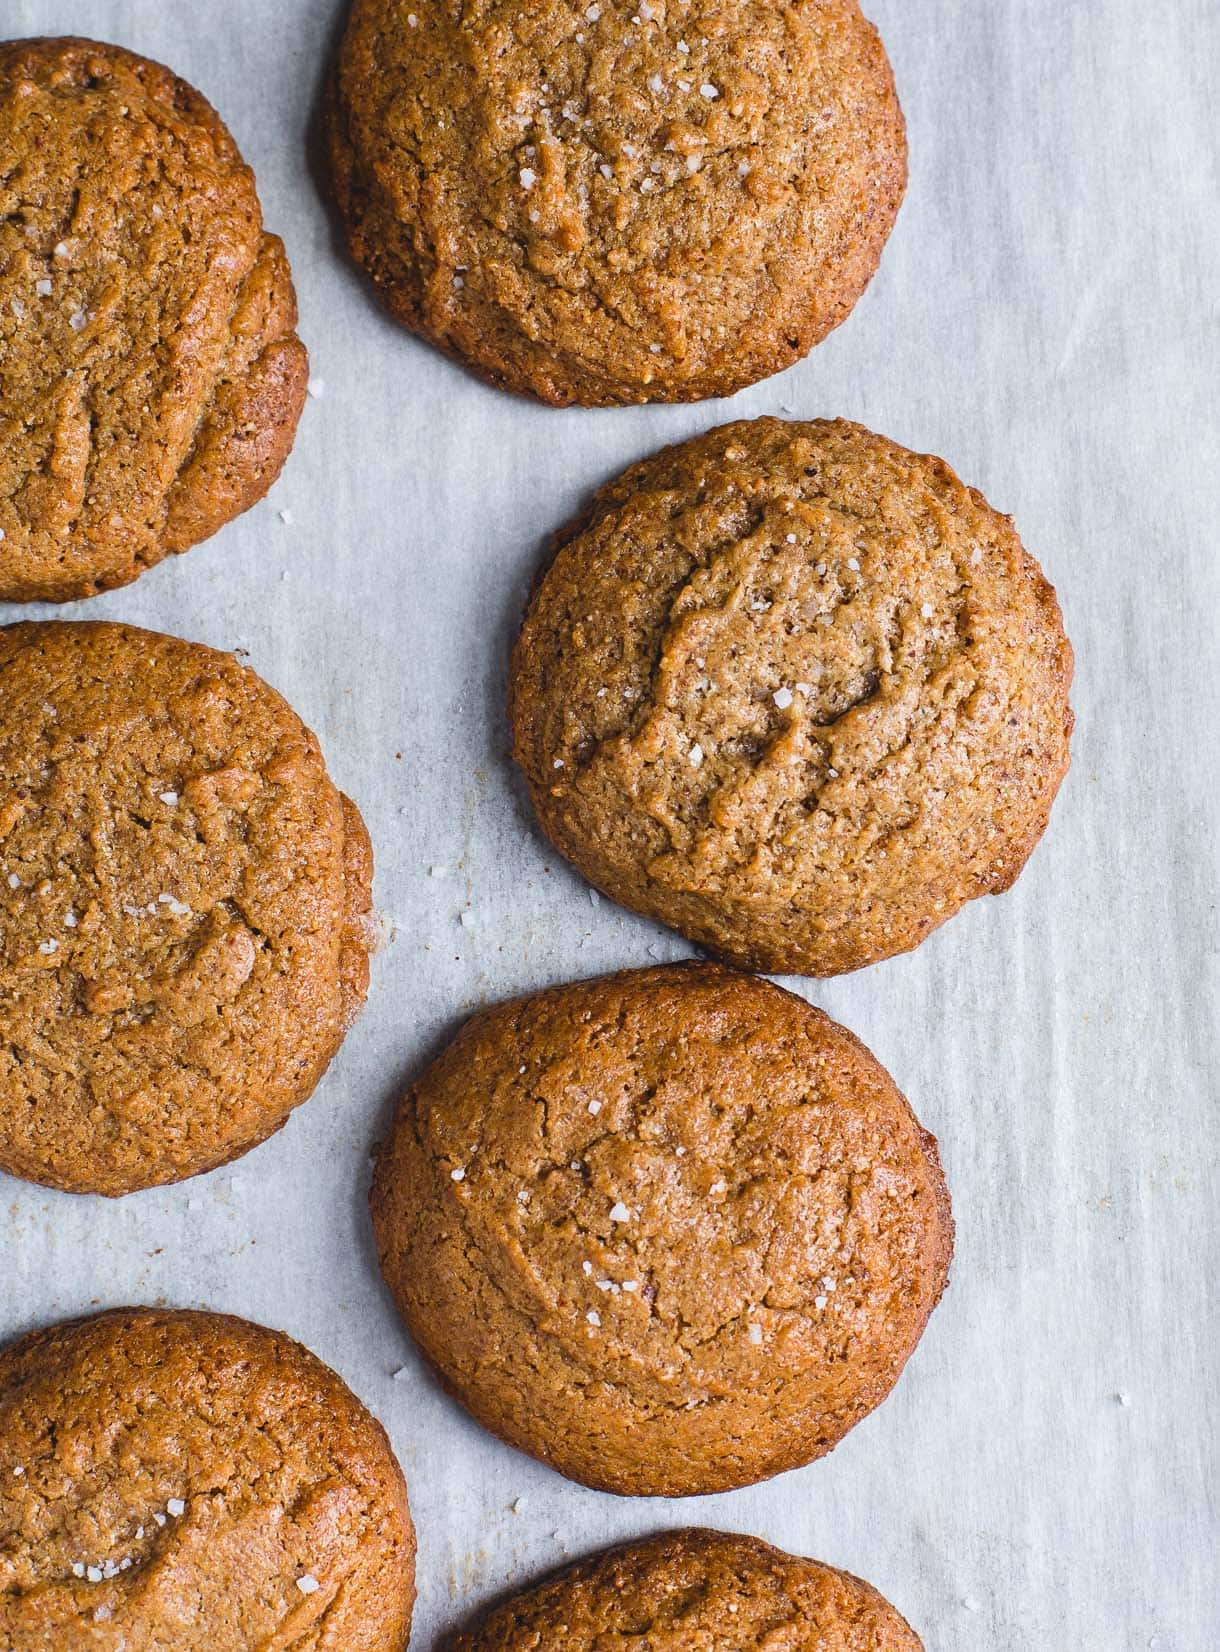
{"points": [[152, 377], [694, 1591], [672, 1231], [184, 908], [795, 691], [173, 1481], [616, 202]]}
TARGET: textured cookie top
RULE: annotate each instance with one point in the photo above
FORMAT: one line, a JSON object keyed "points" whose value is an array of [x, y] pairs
{"points": [[182, 900], [617, 202], [172, 1481], [150, 379], [796, 691], [672, 1231], [695, 1591]]}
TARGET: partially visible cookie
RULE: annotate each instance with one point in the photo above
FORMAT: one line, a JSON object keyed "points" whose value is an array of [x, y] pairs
{"points": [[671, 1231], [152, 377], [189, 1480], [796, 691], [694, 1591], [184, 908], [617, 203]]}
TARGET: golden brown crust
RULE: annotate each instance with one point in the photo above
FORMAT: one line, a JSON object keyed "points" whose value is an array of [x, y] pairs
{"points": [[695, 1591], [602, 204], [795, 691], [152, 375], [183, 908], [671, 1231], [173, 1481]]}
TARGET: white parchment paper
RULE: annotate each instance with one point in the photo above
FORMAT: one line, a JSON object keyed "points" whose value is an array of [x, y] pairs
{"points": [[1046, 317]]}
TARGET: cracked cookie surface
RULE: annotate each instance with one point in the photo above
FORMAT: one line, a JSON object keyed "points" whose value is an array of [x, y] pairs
{"points": [[795, 691], [617, 203], [694, 1591], [173, 1481], [184, 908], [671, 1231], [150, 374]]}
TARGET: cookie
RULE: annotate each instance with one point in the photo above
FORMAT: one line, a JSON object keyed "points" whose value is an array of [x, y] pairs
{"points": [[796, 692], [152, 377], [189, 1480], [616, 203], [671, 1231], [694, 1591], [184, 908]]}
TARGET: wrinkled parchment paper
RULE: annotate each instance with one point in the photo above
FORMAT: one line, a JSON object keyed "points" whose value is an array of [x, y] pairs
{"points": [[1046, 317]]}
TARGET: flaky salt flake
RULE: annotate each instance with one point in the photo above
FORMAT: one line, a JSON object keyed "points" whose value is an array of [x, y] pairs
{"points": [[655, 83], [684, 48], [558, 763], [587, 1269], [791, 539], [853, 562], [61, 249], [782, 698], [743, 169], [412, 20], [619, 1212], [308, 1584], [48, 947], [458, 1175], [170, 799], [14, 882], [44, 288], [101, 1614], [927, 610], [696, 756], [78, 321], [719, 1187], [593, 13], [18, 1471], [756, 1333], [595, 1107], [401, 1375], [78, 1568], [93, 1573], [708, 91], [174, 1506], [593, 1317], [523, 1197], [468, 920], [594, 898], [819, 1303]]}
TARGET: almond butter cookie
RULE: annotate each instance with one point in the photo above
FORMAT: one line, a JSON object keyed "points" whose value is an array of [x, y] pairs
{"points": [[184, 908], [152, 377], [617, 202], [672, 1231], [795, 691], [188, 1481], [695, 1591]]}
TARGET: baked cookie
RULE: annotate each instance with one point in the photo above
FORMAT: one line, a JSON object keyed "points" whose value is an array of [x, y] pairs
{"points": [[185, 908], [152, 376], [795, 691], [188, 1480], [613, 202], [694, 1591], [672, 1231]]}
